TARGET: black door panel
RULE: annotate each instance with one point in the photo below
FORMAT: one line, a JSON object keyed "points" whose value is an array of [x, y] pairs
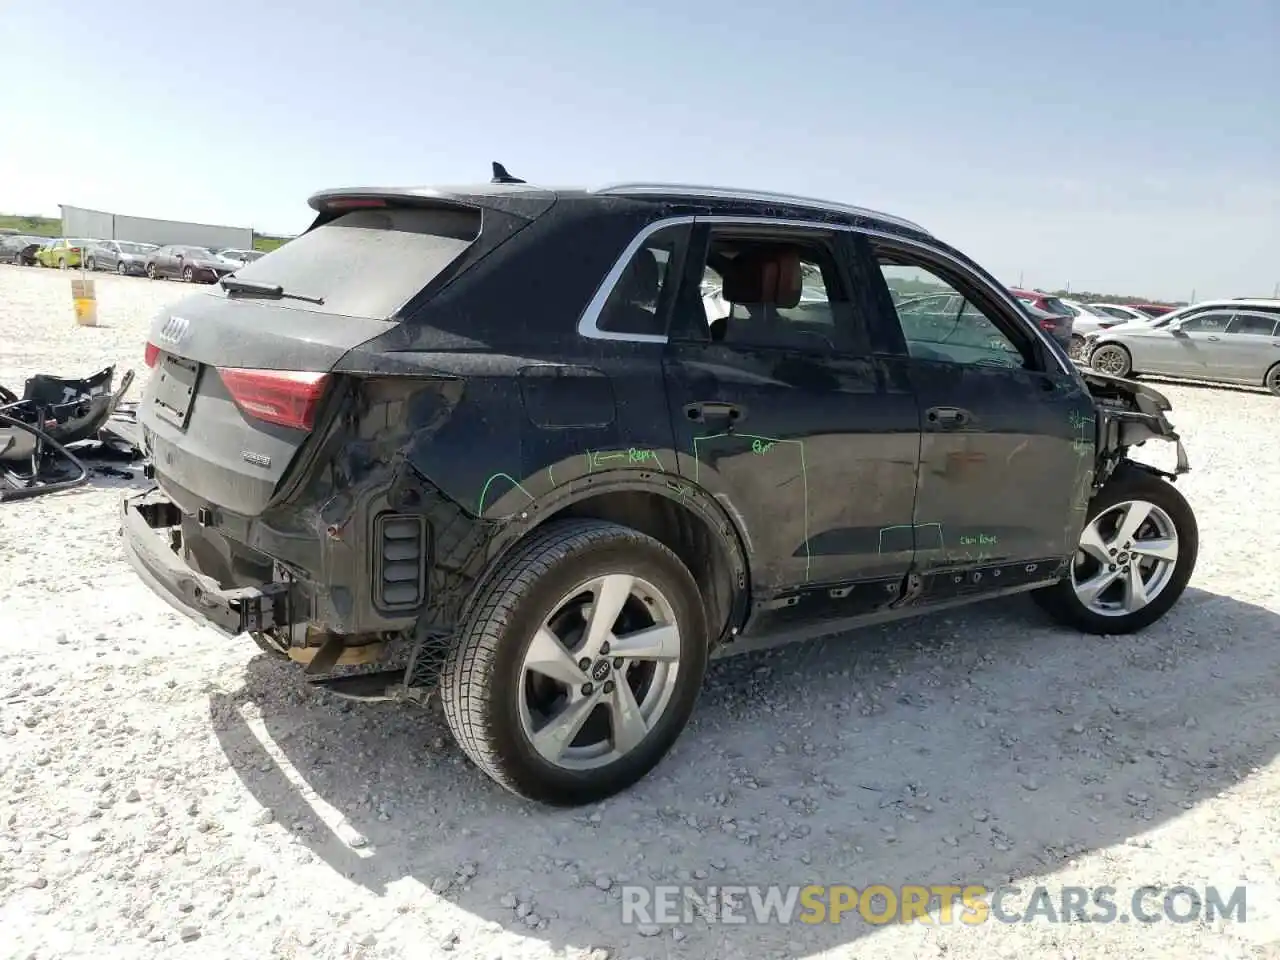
{"points": [[821, 456]]}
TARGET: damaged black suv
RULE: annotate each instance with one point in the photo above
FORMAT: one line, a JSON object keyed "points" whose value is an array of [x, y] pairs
{"points": [[567, 445]]}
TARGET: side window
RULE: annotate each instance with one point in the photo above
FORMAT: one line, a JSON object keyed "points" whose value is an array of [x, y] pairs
{"points": [[776, 291], [1206, 323], [1254, 323], [940, 323], [633, 304]]}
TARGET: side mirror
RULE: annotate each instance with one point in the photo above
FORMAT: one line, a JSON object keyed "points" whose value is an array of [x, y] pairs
{"points": [[1177, 331]]}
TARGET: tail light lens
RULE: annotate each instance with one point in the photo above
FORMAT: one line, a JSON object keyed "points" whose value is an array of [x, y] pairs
{"points": [[152, 354], [1050, 325], [285, 397]]}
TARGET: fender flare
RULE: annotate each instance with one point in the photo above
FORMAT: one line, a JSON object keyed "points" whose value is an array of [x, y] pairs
{"points": [[675, 489]]}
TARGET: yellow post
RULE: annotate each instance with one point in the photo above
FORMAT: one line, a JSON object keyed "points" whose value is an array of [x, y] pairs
{"points": [[82, 295]]}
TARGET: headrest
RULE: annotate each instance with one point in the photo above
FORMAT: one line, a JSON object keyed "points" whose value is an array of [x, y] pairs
{"points": [[765, 275]]}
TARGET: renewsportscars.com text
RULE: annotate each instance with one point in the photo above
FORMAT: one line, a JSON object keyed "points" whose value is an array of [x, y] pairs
{"points": [[941, 904]]}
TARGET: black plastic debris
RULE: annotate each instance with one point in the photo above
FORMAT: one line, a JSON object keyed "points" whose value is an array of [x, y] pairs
{"points": [[38, 429]]}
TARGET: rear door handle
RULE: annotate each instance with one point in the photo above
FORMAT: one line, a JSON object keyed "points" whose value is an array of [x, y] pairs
{"points": [[706, 410], [948, 418]]}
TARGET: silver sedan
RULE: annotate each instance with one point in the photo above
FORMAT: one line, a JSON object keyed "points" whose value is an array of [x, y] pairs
{"points": [[1220, 344]]}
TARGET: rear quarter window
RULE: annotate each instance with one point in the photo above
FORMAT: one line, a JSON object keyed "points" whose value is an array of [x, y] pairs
{"points": [[367, 263]]}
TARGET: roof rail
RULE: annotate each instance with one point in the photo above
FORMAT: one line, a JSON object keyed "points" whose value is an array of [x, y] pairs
{"points": [[730, 193]]}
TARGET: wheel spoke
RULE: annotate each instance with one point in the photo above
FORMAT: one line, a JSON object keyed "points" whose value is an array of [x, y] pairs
{"points": [[629, 726], [548, 657], [661, 642], [1134, 517], [1162, 548], [1135, 591], [560, 730], [611, 594], [1090, 590], [1091, 542]]}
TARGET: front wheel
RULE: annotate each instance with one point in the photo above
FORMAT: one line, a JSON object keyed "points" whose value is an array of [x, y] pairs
{"points": [[122, 268], [579, 663], [1112, 359], [1137, 551], [186, 274], [151, 271]]}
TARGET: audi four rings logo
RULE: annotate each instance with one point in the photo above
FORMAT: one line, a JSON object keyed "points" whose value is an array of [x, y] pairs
{"points": [[174, 329]]}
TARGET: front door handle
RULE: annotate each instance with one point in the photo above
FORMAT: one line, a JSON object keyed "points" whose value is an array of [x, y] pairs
{"points": [[707, 410], [948, 418], [1212, 339]]}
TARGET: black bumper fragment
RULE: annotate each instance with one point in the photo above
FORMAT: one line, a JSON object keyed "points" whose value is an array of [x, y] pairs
{"points": [[152, 539]]}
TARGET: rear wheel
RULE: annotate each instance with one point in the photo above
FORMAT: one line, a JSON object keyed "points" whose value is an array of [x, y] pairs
{"points": [[1112, 359], [62, 263], [1136, 554], [579, 663], [1272, 380]]}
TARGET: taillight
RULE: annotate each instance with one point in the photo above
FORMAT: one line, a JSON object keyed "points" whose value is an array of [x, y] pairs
{"points": [[1050, 325], [285, 397], [152, 354], [74, 250]]}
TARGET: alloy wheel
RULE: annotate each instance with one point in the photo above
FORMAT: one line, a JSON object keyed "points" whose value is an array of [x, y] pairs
{"points": [[1126, 558], [1110, 360], [600, 672]]}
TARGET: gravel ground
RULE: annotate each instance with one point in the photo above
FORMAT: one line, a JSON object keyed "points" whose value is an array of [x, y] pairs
{"points": [[164, 791]]}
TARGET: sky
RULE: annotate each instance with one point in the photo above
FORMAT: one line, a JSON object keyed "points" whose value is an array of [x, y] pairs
{"points": [[1124, 146]]}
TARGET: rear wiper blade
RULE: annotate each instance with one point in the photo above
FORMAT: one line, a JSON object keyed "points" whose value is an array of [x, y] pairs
{"points": [[269, 291]]}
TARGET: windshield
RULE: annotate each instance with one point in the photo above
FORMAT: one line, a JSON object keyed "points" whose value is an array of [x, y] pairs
{"points": [[127, 246], [202, 253], [1055, 306]]}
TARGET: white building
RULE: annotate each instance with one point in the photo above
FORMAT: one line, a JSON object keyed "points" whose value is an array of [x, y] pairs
{"points": [[99, 225]]}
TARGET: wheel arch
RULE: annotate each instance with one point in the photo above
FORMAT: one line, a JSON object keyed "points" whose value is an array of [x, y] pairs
{"points": [[679, 514]]}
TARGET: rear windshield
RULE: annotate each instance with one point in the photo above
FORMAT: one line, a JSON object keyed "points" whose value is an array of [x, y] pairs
{"points": [[1055, 306], [367, 263]]}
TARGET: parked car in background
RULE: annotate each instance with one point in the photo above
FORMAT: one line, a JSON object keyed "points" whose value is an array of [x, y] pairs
{"points": [[1041, 301], [1154, 309], [1225, 341], [237, 254], [20, 249], [1086, 319], [1058, 325], [1124, 311], [193, 264], [120, 256], [62, 253]]}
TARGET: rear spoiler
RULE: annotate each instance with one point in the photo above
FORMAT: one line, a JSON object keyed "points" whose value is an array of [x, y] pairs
{"points": [[519, 200]]}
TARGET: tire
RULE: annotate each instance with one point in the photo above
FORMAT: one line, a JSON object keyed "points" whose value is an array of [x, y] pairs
{"points": [[122, 268], [151, 271], [1272, 380], [487, 686], [1116, 360], [62, 263], [186, 274], [1128, 484], [91, 264], [1075, 347]]}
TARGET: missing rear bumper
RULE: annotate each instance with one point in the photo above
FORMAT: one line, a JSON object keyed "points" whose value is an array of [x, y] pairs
{"points": [[152, 543]]}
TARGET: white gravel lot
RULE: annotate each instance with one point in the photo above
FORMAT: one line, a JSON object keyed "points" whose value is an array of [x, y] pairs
{"points": [[164, 791]]}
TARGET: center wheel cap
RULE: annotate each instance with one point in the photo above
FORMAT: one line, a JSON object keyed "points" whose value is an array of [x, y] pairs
{"points": [[600, 670]]}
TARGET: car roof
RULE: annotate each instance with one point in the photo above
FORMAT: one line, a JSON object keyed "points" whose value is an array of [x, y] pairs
{"points": [[712, 198]]}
